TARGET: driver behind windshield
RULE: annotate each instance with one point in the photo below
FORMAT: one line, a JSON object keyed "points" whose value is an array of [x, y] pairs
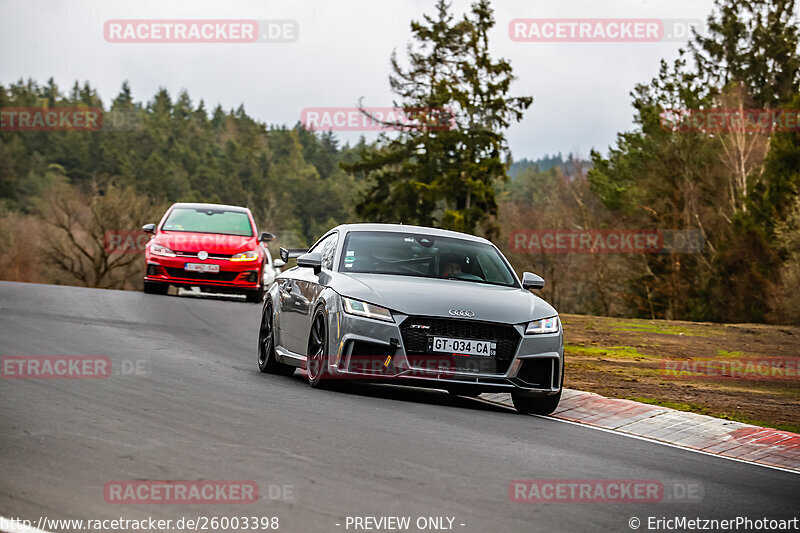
{"points": [[453, 264]]}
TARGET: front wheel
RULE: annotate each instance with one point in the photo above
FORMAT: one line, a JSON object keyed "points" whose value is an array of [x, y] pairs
{"points": [[535, 405], [538, 405], [317, 365], [266, 347], [153, 287], [254, 296]]}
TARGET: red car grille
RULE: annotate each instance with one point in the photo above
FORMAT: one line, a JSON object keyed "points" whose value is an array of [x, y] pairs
{"points": [[208, 276], [210, 256]]}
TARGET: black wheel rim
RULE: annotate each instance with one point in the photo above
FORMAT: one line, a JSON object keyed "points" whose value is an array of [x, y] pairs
{"points": [[316, 348], [265, 336]]}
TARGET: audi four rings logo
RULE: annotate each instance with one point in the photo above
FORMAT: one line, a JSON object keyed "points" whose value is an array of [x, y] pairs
{"points": [[461, 312], [202, 255]]}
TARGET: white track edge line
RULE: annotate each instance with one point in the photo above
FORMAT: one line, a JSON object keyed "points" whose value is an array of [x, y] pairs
{"points": [[650, 439]]}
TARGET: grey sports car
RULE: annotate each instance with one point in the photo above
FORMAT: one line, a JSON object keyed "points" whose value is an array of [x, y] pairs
{"points": [[416, 306]]}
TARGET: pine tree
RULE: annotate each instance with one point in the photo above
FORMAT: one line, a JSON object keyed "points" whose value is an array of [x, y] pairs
{"points": [[441, 171], [751, 43]]}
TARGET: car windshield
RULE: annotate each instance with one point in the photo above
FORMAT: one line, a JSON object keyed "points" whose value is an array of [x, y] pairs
{"points": [[199, 220], [427, 256]]}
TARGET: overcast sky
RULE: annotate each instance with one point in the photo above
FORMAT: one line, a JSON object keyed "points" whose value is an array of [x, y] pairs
{"points": [[581, 89]]}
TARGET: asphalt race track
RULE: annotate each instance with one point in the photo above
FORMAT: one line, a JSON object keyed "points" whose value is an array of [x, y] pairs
{"points": [[196, 408]]}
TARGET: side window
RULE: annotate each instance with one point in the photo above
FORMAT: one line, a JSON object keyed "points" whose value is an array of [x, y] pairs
{"points": [[327, 249], [490, 271]]}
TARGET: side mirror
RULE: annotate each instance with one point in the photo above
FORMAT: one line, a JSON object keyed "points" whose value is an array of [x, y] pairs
{"points": [[312, 260], [291, 253], [532, 281], [266, 237], [149, 228], [278, 263]]}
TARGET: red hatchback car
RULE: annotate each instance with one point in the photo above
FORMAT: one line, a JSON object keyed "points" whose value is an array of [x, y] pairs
{"points": [[215, 247]]}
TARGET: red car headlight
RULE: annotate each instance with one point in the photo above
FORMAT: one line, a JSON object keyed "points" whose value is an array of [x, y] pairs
{"points": [[157, 249], [250, 255]]}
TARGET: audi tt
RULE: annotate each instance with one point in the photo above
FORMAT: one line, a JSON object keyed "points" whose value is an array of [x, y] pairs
{"points": [[417, 306]]}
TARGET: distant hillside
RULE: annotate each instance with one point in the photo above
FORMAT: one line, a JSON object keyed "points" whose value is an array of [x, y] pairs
{"points": [[547, 162]]}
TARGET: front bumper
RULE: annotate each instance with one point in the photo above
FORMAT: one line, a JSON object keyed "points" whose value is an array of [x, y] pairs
{"points": [[367, 349], [231, 275]]}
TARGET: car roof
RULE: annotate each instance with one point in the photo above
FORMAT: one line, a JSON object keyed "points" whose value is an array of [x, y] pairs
{"points": [[402, 228], [189, 205]]}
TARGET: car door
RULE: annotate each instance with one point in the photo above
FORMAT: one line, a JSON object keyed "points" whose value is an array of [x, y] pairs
{"points": [[299, 292], [311, 284], [289, 305]]}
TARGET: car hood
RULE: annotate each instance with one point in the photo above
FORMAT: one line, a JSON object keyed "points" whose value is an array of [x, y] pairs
{"points": [[436, 297], [184, 241]]}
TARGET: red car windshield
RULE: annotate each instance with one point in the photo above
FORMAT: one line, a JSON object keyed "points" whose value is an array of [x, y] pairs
{"points": [[209, 221]]}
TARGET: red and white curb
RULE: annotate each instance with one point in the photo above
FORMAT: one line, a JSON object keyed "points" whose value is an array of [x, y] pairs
{"points": [[726, 438]]}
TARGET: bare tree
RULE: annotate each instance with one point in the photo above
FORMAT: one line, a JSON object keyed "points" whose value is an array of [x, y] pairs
{"points": [[744, 145], [78, 225], [19, 261]]}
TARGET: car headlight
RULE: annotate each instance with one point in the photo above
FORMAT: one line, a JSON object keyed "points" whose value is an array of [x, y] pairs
{"points": [[545, 325], [250, 255], [157, 249], [359, 308]]}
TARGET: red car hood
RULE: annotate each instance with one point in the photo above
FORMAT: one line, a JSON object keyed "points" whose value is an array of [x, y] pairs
{"points": [[184, 241]]}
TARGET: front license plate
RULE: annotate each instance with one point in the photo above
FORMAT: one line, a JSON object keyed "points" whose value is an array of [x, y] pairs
{"points": [[201, 267], [462, 346]]}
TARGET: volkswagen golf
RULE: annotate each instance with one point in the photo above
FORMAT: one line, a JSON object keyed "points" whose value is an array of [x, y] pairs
{"points": [[211, 246]]}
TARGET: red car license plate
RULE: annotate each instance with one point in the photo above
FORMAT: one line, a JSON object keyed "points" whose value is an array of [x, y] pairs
{"points": [[201, 267]]}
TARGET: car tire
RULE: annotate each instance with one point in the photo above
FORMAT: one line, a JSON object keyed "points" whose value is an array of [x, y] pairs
{"points": [[255, 296], [267, 363], [317, 362], [153, 287], [537, 405]]}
